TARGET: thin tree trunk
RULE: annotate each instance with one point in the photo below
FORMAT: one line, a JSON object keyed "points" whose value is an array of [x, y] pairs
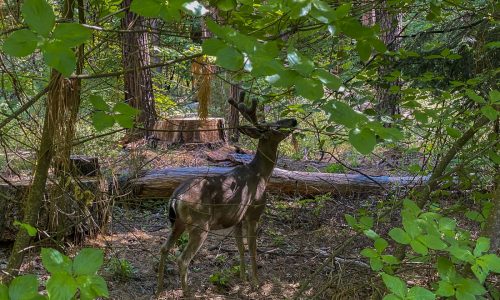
{"points": [[234, 116], [390, 22], [138, 84], [60, 114]]}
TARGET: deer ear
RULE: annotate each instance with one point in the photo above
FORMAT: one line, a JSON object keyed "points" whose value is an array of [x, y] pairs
{"points": [[250, 131]]}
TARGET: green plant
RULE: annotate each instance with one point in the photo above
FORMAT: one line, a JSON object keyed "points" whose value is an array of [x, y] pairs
{"points": [[335, 168], [222, 278], [183, 240], [120, 268], [68, 278], [435, 239]]}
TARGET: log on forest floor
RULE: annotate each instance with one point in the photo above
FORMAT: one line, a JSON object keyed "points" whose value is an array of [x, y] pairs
{"points": [[161, 183]]}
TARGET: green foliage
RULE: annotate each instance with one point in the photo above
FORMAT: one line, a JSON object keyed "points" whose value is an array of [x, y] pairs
{"points": [[67, 277], [32, 231], [224, 277], [120, 268], [105, 116], [335, 168], [21, 43], [431, 235]]}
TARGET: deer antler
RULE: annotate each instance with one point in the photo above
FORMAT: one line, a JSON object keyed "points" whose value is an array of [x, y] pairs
{"points": [[249, 113]]}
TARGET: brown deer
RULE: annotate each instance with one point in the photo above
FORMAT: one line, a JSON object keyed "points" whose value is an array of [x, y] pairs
{"points": [[200, 205]]}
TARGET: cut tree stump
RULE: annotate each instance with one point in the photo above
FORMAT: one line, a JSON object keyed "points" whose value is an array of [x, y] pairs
{"points": [[161, 183], [190, 130]]}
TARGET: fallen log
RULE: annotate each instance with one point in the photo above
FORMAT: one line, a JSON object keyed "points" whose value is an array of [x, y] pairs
{"points": [[161, 183]]}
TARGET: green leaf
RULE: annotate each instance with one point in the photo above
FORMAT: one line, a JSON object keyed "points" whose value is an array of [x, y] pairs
{"points": [[368, 252], [370, 233], [300, 63], [30, 229], [400, 236], [72, 34], [395, 285], [475, 97], [39, 16], [447, 224], [285, 78], [61, 286], [366, 222], [420, 293], [23, 288], [363, 140], [88, 261], [55, 262], [212, 46], [489, 112], [125, 121], [20, 43], [102, 120], [479, 272], [226, 5], [99, 103], [474, 216], [125, 109], [482, 245], [418, 247], [494, 96], [194, 8], [351, 221], [146, 8], [4, 292], [91, 287], [411, 207], [390, 259], [230, 59], [376, 264], [432, 242], [380, 244], [60, 58], [445, 289], [343, 114], [445, 268], [329, 80], [454, 133], [364, 50], [492, 261], [461, 253], [311, 89], [470, 286]]}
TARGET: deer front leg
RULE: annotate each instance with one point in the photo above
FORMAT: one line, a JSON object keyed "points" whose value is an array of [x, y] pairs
{"points": [[177, 230], [252, 247], [197, 236], [238, 236]]}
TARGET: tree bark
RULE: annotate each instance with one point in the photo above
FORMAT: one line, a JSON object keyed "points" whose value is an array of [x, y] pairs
{"points": [[390, 21], [234, 116], [138, 84]]}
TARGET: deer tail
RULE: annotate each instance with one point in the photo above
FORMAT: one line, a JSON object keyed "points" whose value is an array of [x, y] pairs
{"points": [[172, 215]]}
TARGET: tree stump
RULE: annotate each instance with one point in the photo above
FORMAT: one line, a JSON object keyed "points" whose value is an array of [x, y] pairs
{"points": [[190, 131]]}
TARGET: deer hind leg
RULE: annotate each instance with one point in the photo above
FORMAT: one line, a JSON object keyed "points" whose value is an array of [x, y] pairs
{"points": [[252, 247], [238, 236], [197, 236], [177, 229]]}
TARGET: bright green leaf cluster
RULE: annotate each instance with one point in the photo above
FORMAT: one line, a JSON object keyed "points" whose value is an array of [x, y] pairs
{"points": [[105, 116], [67, 277], [168, 11], [55, 44]]}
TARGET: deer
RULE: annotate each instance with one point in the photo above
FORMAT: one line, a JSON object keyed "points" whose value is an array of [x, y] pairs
{"points": [[200, 205]]}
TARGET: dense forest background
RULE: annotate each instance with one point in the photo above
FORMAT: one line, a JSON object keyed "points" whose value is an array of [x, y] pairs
{"points": [[399, 88]]}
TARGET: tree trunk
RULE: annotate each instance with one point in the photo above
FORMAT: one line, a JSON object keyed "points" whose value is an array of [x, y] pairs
{"points": [[492, 228], [137, 82], [234, 116], [390, 21]]}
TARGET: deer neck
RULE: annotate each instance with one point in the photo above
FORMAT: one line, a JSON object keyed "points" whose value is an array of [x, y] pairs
{"points": [[265, 158]]}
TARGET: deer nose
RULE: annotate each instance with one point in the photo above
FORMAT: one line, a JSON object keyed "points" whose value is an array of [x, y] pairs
{"points": [[287, 123]]}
